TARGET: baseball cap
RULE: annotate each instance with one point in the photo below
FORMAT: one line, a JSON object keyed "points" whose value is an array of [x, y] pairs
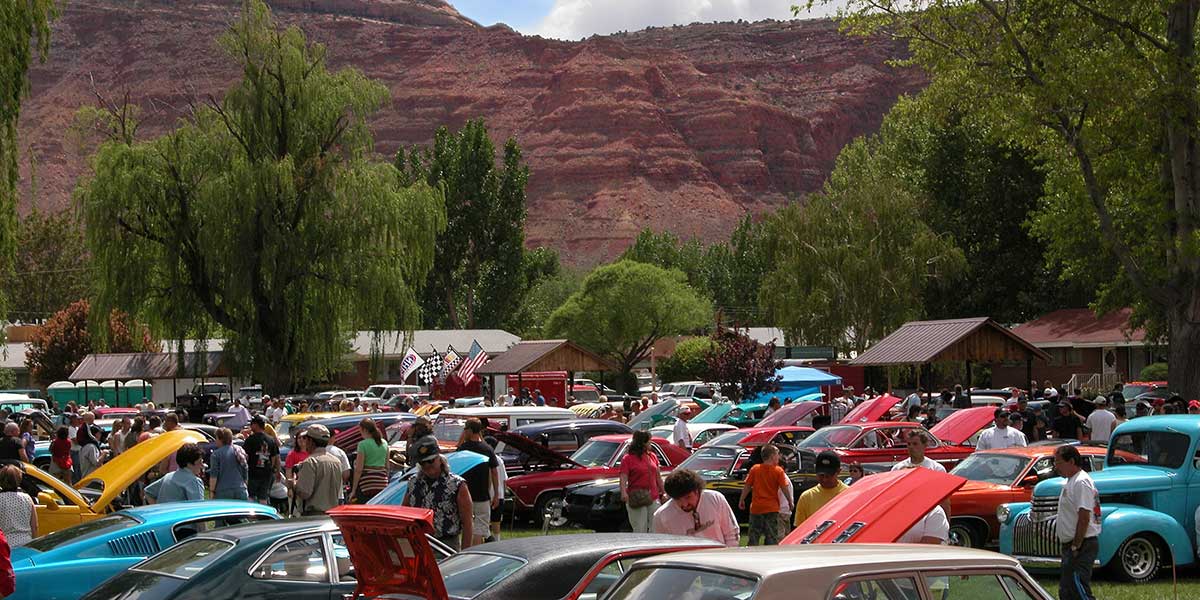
{"points": [[1000, 412], [1194, 404], [316, 432], [426, 449], [828, 463], [1101, 400], [260, 421]]}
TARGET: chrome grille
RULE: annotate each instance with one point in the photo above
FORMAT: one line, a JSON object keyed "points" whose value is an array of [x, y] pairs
{"points": [[1044, 507], [1035, 538], [138, 544]]}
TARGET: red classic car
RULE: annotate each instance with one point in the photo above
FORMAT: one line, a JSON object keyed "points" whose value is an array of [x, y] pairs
{"points": [[794, 414], [998, 477], [870, 410], [599, 458], [757, 436], [884, 441]]}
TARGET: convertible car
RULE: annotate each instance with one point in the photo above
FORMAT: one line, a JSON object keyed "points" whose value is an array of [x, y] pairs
{"points": [[599, 458], [389, 544], [65, 564]]}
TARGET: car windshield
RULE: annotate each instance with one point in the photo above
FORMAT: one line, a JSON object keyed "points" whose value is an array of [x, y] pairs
{"points": [[283, 428], [732, 438], [588, 395], [595, 453], [680, 582], [468, 574], [831, 437], [82, 531], [375, 391], [1157, 448], [1131, 391], [1001, 469], [711, 462], [448, 429], [185, 559]]}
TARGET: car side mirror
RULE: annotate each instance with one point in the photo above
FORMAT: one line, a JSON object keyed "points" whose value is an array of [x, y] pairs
{"points": [[47, 499], [1030, 480]]}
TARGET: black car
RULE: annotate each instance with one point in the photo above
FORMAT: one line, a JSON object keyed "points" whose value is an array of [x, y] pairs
{"points": [[563, 437], [597, 504], [297, 559]]}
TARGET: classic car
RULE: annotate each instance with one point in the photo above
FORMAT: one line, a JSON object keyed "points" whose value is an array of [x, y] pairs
{"points": [[701, 433], [871, 410], [284, 429], [713, 413], [459, 462], [202, 399], [599, 458], [793, 414], [656, 414], [1147, 503], [563, 437], [757, 436], [67, 563], [59, 506], [341, 424], [997, 477], [298, 559], [843, 572], [597, 504], [390, 546], [879, 442], [448, 425]]}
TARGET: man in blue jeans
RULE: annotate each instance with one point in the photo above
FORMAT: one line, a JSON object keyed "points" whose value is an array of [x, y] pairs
{"points": [[1077, 525]]}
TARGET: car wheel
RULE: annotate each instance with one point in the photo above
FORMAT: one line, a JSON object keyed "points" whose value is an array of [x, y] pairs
{"points": [[544, 503], [964, 535], [1138, 559], [42, 463]]}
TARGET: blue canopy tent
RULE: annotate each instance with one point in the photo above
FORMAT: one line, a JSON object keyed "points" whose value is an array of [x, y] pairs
{"points": [[799, 384]]}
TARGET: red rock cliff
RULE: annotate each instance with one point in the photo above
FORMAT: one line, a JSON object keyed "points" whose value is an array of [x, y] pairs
{"points": [[682, 128]]}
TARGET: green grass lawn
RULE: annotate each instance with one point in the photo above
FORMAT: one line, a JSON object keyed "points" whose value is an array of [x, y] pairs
{"points": [[1186, 588]]}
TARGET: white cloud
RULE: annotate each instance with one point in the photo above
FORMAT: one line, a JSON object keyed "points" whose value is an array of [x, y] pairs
{"points": [[576, 19]]}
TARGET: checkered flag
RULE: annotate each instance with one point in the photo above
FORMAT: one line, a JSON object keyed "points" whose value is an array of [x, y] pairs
{"points": [[431, 369], [450, 364]]}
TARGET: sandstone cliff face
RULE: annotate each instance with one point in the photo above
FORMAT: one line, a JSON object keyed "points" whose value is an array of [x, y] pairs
{"points": [[683, 128]]}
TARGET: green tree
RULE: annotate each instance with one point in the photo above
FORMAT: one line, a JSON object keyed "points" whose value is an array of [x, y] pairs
{"points": [[624, 307], [689, 361], [480, 274], [850, 265], [66, 339], [1105, 92], [52, 266], [24, 33], [262, 217]]}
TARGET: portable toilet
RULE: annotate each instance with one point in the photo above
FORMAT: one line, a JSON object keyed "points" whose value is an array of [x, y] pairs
{"points": [[62, 392], [85, 390], [108, 392], [131, 392]]}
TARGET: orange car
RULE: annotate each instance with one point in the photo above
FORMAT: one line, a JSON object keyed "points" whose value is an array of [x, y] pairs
{"points": [[997, 477]]}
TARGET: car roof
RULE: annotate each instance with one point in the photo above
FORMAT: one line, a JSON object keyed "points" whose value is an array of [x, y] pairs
{"points": [[1181, 423], [181, 510], [566, 545], [544, 426], [1043, 450], [613, 437], [258, 531], [842, 558]]}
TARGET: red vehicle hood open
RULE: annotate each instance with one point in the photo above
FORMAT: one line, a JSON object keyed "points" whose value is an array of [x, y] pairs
{"points": [[962, 424], [790, 414], [877, 508], [537, 453], [389, 550], [871, 410]]}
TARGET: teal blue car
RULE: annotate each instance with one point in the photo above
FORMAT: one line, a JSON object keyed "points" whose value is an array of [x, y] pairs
{"points": [[1149, 492], [66, 564]]}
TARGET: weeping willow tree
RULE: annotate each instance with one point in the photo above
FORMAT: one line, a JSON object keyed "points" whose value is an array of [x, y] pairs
{"points": [[21, 21], [262, 217]]}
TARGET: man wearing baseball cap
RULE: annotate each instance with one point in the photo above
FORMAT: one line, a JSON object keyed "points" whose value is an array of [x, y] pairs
{"points": [[827, 488], [441, 491], [1101, 421], [1000, 435], [318, 485]]}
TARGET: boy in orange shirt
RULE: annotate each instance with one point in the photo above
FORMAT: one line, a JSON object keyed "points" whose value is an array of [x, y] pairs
{"points": [[765, 480]]}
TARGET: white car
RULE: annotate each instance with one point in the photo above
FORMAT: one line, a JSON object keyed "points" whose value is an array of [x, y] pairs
{"points": [[701, 432]]}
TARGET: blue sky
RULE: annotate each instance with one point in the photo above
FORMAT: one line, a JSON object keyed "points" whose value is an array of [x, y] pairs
{"points": [[575, 19]]}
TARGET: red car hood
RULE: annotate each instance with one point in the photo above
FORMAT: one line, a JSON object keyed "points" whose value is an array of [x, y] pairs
{"points": [[534, 450], [877, 509], [790, 414], [982, 486], [390, 553], [871, 410], [962, 424]]}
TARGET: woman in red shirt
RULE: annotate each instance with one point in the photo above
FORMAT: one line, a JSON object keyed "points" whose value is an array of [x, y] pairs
{"points": [[641, 483], [60, 455]]}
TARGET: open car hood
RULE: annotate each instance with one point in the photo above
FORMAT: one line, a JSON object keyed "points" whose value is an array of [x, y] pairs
{"points": [[537, 452], [871, 410], [713, 414], [645, 419], [962, 424], [877, 508], [790, 414], [390, 553], [117, 474]]}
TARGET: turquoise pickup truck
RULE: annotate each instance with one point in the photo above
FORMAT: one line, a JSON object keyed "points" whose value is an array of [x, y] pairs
{"points": [[1149, 492]]}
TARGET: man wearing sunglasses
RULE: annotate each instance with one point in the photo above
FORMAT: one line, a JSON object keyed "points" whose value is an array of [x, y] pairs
{"points": [[695, 511]]}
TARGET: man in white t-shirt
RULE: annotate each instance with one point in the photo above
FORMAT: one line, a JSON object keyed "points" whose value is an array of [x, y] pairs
{"points": [[695, 511], [933, 529], [240, 418], [1077, 525], [1101, 421], [917, 442], [1001, 435], [683, 437]]}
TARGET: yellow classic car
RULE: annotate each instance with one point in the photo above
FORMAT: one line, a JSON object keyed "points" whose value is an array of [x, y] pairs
{"points": [[284, 429], [60, 506]]}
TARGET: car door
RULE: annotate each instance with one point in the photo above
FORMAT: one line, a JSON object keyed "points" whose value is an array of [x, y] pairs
{"points": [[296, 568]]}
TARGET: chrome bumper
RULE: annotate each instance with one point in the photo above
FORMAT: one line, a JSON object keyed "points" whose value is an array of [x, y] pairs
{"points": [[1043, 562]]}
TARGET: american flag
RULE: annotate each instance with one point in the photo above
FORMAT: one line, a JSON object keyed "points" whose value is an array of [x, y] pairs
{"points": [[450, 363], [431, 369], [475, 359]]}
